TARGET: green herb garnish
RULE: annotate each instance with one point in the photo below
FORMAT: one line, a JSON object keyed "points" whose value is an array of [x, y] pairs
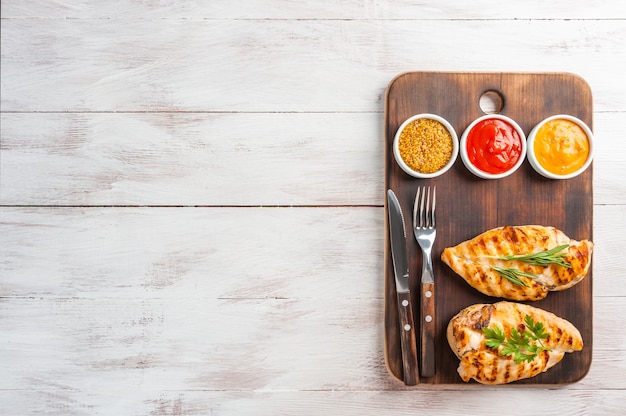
{"points": [[543, 258], [514, 275], [524, 347]]}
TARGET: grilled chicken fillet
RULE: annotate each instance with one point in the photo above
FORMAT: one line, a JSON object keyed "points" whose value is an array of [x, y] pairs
{"points": [[474, 260], [486, 365]]}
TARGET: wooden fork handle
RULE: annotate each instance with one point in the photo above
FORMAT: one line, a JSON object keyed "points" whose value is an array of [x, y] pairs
{"points": [[427, 332]]}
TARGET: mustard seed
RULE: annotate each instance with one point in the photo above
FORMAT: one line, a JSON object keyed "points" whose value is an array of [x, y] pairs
{"points": [[425, 145]]}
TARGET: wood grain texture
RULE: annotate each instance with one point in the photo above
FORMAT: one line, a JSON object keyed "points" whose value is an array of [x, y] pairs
{"points": [[408, 343], [323, 9], [190, 159], [212, 159], [150, 306], [191, 200], [162, 344], [428, 321], [263, 65], [182, 253], [260, 403]]}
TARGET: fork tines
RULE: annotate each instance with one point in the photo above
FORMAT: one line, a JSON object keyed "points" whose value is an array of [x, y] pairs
{"points": [[423, 212]]}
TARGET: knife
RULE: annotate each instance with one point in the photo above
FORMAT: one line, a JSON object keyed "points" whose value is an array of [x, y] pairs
{"points": [[401, 269]]}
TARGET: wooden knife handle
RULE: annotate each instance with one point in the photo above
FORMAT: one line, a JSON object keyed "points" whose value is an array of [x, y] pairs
{"points": [[427, 332], [407, 339]]}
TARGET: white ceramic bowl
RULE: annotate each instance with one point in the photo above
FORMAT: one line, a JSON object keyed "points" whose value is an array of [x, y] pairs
{"points": [[446, 167], [479, 172], [532, 158]]}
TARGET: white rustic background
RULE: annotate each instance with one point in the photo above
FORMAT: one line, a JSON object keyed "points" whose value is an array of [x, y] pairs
{"points": [[191, 200]]}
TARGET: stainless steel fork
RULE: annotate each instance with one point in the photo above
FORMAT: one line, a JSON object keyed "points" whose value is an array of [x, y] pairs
{"points": [[425, 233]]}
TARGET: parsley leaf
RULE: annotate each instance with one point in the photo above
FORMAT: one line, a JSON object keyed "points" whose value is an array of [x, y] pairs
{"points": [[523, 346]]}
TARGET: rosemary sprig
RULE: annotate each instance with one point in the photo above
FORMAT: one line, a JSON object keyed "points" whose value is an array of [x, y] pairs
{"points": [[543, 258], [514, 275], [524, 347]]}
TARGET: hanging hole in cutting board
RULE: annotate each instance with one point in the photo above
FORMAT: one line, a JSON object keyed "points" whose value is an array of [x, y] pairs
{"points": [[491, 102]]}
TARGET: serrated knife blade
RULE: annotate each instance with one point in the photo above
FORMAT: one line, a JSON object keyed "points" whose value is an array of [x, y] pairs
{"points": [[397, 238]]}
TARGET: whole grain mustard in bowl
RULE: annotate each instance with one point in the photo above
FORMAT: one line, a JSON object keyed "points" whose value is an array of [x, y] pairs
{"points": [[560, 147], [425, 146]]}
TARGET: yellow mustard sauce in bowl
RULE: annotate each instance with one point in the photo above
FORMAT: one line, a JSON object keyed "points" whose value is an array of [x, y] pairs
{"points": [[561, 146]]}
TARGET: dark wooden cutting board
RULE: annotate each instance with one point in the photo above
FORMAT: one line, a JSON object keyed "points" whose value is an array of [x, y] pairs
{"points": [[467, 205]]}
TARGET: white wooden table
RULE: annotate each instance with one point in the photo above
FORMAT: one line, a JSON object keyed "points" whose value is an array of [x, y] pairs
{"points": [[191, 193]]}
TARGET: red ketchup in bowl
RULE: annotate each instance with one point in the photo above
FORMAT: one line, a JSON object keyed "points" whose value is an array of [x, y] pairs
{"points": [[494, 146]]}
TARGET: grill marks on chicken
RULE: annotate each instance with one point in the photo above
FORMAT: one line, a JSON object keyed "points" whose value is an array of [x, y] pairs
{"points": [[474, 260], [486, 365]]}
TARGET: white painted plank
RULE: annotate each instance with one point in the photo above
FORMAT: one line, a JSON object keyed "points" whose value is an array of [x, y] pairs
{"points": [[245, 253], [283, 65], [222, 159], [192, 159], [429, 402], [225, 345], [321, 9], [608, 234], [196, 344], [186, 253], [74, 355]]}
